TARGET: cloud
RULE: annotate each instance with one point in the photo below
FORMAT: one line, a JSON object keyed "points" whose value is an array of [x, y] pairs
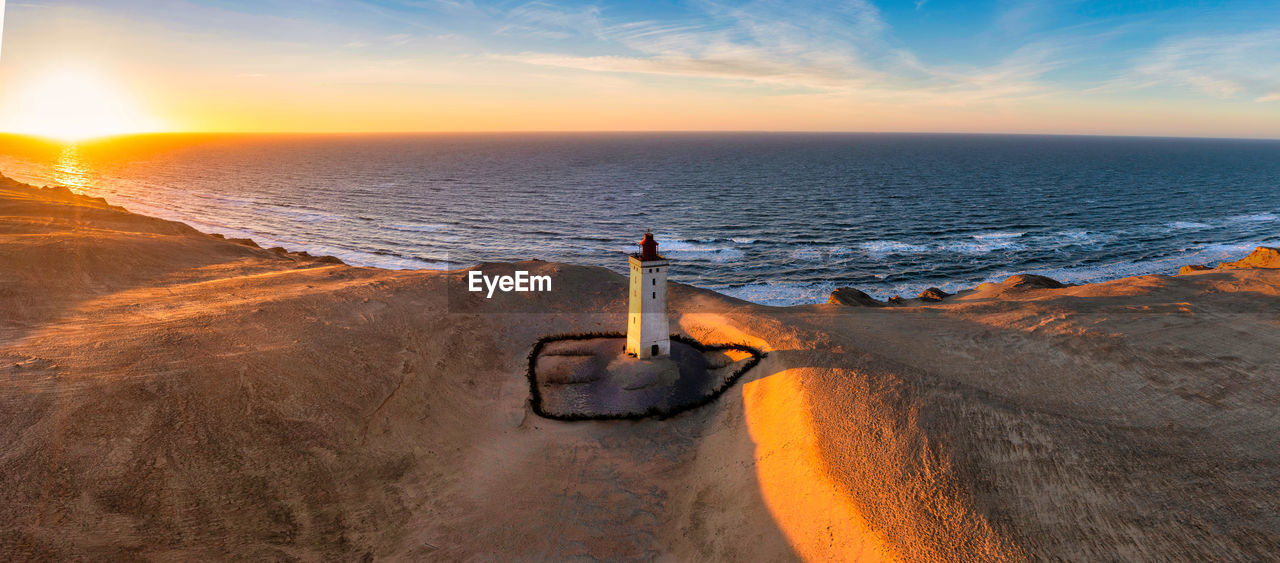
{"points": [[798, 47], [768, 43], [762, 42], [541, 20], [727, 64], [1016, 76], [1017, 18], [399, 38], [1222, 66]]}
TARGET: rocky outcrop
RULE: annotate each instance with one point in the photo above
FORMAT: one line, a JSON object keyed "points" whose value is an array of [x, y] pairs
{"points": [[1031, 281], [853, 298], [1192, 268], [934, 294], [1261, 257]]}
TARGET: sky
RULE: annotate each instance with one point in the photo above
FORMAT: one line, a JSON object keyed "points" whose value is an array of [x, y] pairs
{"points": [[1136, 67]]}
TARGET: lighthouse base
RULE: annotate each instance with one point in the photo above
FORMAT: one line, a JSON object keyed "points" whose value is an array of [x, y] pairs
{"points": [[596, 379]]}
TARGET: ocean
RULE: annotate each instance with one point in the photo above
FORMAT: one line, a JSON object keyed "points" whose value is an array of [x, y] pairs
{"points": [[778, 219]]}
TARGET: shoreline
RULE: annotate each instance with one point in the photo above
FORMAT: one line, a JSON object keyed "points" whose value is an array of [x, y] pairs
{"points": [[759, 292]]}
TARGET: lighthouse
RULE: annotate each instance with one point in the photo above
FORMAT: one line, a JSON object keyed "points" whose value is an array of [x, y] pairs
{"points": [[647, 329]]}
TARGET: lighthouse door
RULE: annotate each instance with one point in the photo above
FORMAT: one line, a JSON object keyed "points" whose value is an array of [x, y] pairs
{"points": [[653, 351]]}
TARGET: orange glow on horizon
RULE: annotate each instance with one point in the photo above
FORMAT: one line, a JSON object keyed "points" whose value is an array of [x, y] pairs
{"points": [[72, 104]]}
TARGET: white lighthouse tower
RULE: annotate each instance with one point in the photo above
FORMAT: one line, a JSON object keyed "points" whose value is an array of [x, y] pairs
{"points": [[648, 333]]}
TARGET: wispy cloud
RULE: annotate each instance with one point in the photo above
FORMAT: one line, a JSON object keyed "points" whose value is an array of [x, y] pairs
{"points": [[548, 21], [763, 42], [794, 47], [1225, 66], [1018, 75]]}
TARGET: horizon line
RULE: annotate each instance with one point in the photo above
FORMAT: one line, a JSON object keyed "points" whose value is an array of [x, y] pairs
{"points": [[34, 136]]}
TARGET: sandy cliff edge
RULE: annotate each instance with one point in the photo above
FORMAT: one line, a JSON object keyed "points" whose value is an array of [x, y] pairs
{"points": [[169, 394]]}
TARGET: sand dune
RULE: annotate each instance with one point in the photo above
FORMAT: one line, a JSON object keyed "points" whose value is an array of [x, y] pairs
{"points": [[169, 394]]}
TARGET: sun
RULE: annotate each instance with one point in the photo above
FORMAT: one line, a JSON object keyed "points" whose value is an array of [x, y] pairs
{"points": [[74, 104]]}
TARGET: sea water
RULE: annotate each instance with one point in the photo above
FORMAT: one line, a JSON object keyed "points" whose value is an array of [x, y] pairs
{"points": [[773, 218]]}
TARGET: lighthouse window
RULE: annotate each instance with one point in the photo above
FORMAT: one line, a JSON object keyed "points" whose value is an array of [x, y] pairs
{"points": [[655, 295], [655, 281]]}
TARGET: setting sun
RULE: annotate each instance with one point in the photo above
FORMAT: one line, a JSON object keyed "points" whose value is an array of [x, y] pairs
{"points": [[74, 104]]}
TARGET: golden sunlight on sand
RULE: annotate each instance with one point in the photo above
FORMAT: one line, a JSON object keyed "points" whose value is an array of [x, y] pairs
{"points": [[818, 518], [712, 327]]}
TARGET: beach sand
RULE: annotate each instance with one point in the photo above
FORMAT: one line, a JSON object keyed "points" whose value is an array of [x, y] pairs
{"points": [[167, 394]]}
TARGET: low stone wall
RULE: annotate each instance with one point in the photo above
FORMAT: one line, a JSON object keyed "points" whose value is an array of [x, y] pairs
{"points": [[659, 395]]}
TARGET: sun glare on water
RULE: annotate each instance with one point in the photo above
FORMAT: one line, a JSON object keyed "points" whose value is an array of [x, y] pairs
{"points": [[73, 105]]}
